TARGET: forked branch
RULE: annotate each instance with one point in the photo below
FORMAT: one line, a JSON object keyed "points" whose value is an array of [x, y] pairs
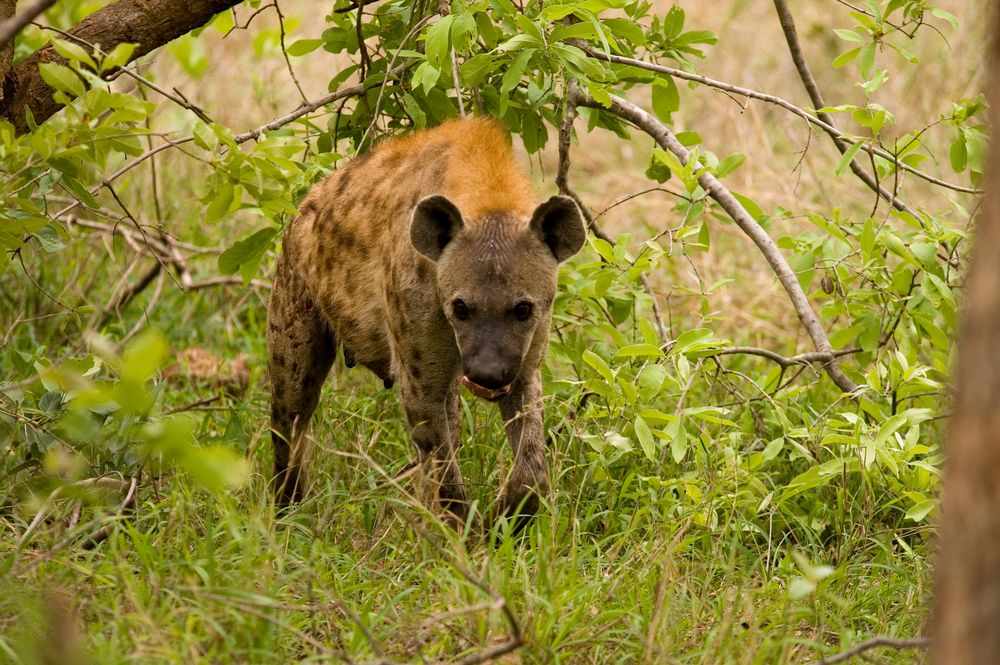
{"points": [[802, 67], [715, 189]]}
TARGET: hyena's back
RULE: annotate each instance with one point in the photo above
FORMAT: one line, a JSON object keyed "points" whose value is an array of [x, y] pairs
{"points": [[351, 239]]}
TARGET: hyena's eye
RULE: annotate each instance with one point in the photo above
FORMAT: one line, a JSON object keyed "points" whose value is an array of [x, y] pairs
{"points": [[522, 310], [460, 309]]}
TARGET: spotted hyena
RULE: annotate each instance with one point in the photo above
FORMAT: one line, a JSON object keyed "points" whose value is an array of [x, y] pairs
{"points": [[429, 261]]}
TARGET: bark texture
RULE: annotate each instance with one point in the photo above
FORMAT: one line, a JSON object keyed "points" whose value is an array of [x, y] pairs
{"points": [[148, 23], [6, 49], [966, 627]]}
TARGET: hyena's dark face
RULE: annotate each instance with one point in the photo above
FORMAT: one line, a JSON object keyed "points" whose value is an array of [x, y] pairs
{"points": [[496, 282]]}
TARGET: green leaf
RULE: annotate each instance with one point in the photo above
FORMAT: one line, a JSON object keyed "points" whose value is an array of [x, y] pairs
{"points": [[921, 510], [643, 350], [729, 164], [476, 68], [845, 159], [73, 52], [437, 42], [144, 356], [598, 364], [61, 78], [204, 137], [645, 438], [846, 57], [246, 252], [304, 46], [946, 15], [666, 98], [120, 56], [514, 72], [848, 35], [574, 31]]}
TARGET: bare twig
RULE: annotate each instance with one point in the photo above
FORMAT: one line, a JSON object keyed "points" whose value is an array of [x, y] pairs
{"points": [[786, 361], [562, 182], [802, 67], [14, 25], [457, 84], [875, 643], [562, 174], [284, 52], [127, 503], [777, 101], [715, 189], [100, 483]]}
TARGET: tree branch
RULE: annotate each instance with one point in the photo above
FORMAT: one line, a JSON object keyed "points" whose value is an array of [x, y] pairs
{"points": [[7, 8], [786, 361], [874, 643], [10, 27], [146, 23], [777, 101], [792, 39], [715, 189]]}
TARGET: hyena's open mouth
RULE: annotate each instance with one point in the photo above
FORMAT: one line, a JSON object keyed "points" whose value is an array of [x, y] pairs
{"points": [[485, 393]]}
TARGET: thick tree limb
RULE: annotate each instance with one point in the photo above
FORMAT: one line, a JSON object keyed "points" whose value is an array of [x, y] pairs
{"points": [[715, 189], [147, 23], [792, 39], [14, 24], [967, 597], [777, 101]]}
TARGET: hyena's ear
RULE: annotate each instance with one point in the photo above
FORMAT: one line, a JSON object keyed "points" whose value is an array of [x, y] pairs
{"points": [[435, 222], [559, 224]]}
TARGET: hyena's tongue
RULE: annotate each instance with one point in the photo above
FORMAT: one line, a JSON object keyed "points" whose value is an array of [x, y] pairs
{"points": [[485, 393]]}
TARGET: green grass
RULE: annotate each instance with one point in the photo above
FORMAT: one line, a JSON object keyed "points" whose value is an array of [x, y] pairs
{"points": [[630, 561], [361, 570]]}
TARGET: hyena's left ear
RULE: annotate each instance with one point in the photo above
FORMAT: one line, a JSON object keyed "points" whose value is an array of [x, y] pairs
{"points": [[436, 221], [559, 224]]}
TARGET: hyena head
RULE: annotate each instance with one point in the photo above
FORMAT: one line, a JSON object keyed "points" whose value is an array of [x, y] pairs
{"points": [[496, 282]]}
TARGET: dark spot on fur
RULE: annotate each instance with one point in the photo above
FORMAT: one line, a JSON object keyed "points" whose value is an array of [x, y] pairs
{"points": [[308, 207], [295, 366], [415, 373], [344, 181], [358, 161], [279, 360], [423, 270], [416, 356]]}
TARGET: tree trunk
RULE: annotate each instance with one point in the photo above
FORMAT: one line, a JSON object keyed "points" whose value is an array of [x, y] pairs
{"points": [[148, 23], [967, 613]]}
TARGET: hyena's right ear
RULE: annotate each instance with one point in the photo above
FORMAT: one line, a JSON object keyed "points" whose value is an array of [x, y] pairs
{"points": [[435, 222]]}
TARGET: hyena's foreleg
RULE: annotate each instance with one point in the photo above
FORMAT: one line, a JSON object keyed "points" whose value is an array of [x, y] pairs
{"points": [[528, 481], [434, 419], [301, 349]]}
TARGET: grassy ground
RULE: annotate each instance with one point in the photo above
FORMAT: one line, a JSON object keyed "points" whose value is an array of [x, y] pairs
{"points": [[360, 571]]}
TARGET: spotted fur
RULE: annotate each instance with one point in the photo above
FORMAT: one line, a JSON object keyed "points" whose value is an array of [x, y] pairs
{"points": [[377, 260]]}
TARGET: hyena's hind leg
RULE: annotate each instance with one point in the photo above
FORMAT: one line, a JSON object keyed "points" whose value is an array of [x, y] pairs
{"points": [[301, 348]]}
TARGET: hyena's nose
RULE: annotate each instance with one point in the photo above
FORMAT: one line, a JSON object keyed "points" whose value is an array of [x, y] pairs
{"points": [[491, 376]]}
